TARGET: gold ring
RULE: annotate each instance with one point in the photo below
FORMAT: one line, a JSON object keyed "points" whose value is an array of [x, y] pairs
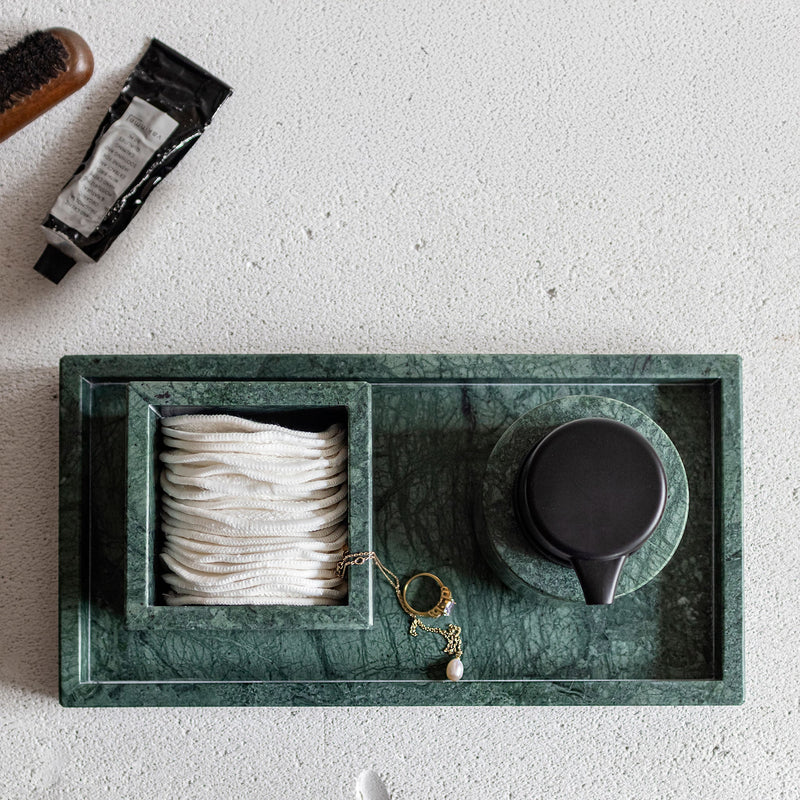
{"points": [[443, 607]]}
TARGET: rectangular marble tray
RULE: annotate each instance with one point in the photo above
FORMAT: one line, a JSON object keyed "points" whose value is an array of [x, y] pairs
{"points": [[435, 419]]}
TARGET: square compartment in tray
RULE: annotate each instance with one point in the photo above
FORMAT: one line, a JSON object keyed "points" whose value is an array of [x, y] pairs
{"points": [[311, 406]]}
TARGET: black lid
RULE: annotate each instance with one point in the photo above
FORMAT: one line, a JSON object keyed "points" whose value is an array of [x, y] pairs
{"points": [[590, 494], [54, 264]]}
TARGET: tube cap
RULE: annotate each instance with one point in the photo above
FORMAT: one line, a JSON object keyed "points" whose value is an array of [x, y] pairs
{"points": [[54, 264]]}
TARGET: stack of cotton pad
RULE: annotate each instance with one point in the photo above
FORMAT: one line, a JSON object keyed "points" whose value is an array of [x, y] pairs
{"points": [[253, 513]]}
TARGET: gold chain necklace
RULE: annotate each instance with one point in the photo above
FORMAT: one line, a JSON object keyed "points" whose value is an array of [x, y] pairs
{"points": [[451, 634]]}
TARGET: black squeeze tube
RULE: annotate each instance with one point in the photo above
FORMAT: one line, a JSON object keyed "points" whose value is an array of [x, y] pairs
{"points": [[173, 84]]}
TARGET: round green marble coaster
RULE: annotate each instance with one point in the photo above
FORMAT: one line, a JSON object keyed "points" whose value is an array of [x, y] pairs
{"points": [[514, 559]]}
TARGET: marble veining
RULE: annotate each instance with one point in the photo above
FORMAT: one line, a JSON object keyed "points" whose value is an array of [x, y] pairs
{"points": [[435, 421]]}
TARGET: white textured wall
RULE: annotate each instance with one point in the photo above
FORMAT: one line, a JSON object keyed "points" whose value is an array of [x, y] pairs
{"points": [[418, 177]]}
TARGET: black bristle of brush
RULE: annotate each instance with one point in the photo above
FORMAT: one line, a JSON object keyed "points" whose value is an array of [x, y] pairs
{"points": [[29, 65]]}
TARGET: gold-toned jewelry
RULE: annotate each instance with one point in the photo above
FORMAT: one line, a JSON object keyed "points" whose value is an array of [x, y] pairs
{"points": [[451, 634], [443, 607]]}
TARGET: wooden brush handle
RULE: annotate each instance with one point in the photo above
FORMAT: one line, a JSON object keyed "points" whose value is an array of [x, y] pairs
{"points": [[80, 65]]}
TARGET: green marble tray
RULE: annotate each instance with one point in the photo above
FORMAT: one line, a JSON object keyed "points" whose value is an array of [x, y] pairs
{"points": [[435, 420]]}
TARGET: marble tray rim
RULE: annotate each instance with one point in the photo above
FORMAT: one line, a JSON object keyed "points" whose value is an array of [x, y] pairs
{"points": [[722, 371]]}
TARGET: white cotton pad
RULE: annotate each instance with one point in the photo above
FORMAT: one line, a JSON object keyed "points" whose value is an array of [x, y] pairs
{"points": [[252, 513]]}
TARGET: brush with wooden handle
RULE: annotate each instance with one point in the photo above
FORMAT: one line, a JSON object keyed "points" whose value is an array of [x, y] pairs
{"points": [[38, 72]]}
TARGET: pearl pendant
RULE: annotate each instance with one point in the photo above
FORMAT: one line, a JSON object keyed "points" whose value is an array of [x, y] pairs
{"points": [[455, 669]]}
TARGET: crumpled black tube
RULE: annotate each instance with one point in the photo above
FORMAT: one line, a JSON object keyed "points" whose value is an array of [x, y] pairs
{"points": [[173, 84]]}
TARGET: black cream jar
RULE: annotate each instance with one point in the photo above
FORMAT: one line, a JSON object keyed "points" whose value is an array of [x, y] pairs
{"points": [[584, 499]]}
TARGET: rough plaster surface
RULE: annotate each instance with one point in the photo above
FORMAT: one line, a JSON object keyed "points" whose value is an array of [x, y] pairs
{"points": [[422, 177]]}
